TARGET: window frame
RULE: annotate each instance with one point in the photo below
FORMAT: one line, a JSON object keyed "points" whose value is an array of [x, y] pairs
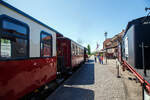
{"points": [[17, 22], [71, 49], [49, 34]]}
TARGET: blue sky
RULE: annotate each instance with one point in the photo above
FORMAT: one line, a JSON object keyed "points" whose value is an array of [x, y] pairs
{"points": [[85, 20]]}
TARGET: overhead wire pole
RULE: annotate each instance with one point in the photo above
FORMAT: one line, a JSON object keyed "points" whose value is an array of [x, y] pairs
{"points": [[105, 34]]}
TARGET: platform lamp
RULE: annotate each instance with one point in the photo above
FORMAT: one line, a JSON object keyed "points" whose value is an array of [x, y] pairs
{"points": [[105, 34]]}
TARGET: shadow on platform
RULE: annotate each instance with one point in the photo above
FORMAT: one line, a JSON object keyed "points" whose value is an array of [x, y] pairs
{"points": [[84, 76], [71, 93], [90, 61]]}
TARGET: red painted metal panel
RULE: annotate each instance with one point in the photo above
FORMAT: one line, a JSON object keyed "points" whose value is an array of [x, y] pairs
{"points": [[23, 76], [59, 35], [141, 79], [77, 59], [64, 49]]}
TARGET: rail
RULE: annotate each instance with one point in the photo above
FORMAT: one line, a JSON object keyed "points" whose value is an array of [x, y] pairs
{"points": [[140, 78]]}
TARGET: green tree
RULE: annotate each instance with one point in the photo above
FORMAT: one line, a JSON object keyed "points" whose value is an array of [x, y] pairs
{"points": [[89, 49]]}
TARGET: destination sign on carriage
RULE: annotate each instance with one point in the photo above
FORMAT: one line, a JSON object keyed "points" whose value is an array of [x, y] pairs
{"points": [[5, 48]]}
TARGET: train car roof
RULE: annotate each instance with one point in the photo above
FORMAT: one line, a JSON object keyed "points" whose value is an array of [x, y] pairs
{"points": [[70, 40], [26, 15], [137, 21]]}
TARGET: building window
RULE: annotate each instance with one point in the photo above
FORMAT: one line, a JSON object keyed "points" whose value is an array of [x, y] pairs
{"points": [[14, 38], [46, 44]]}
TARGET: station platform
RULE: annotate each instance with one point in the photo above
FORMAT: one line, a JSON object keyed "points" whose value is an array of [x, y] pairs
{"points": [[93, 81]]}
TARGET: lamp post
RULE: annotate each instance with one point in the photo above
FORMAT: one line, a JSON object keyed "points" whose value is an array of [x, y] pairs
{"points": [[105, 34], [117, 57]]}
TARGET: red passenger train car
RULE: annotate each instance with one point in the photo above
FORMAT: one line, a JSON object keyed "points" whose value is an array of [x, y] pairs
{"points": [[71, 53], [27, 53], [29, 61]]}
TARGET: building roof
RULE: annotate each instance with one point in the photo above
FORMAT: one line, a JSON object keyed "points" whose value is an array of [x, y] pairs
{"points": [[113, 42], [137, 21]]}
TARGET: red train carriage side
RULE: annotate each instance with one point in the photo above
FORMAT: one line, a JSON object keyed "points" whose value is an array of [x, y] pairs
{"points": [[59, 34], [64, 54], [77, 54], [71, 53], [27, 53]]}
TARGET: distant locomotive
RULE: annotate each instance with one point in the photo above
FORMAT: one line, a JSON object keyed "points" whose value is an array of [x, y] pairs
{"points": [[135, 47], [28, 53]]}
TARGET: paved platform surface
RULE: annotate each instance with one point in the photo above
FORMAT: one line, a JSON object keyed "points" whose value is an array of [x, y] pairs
{"points": [[92, 81]]}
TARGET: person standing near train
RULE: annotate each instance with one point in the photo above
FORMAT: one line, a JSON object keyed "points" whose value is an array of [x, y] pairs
{"points": [[101, 57]]}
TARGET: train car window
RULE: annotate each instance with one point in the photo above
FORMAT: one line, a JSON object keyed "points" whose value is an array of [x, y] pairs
{"points": [[73, 53], [12, 26], [76, 50], [5, 48], [73, 49], [14, 39], [82, 51], [79, 51], [46, 44]]}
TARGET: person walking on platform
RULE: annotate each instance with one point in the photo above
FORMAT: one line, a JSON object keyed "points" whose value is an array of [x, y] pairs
{"points": [[95, 58], [101, 59]]}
